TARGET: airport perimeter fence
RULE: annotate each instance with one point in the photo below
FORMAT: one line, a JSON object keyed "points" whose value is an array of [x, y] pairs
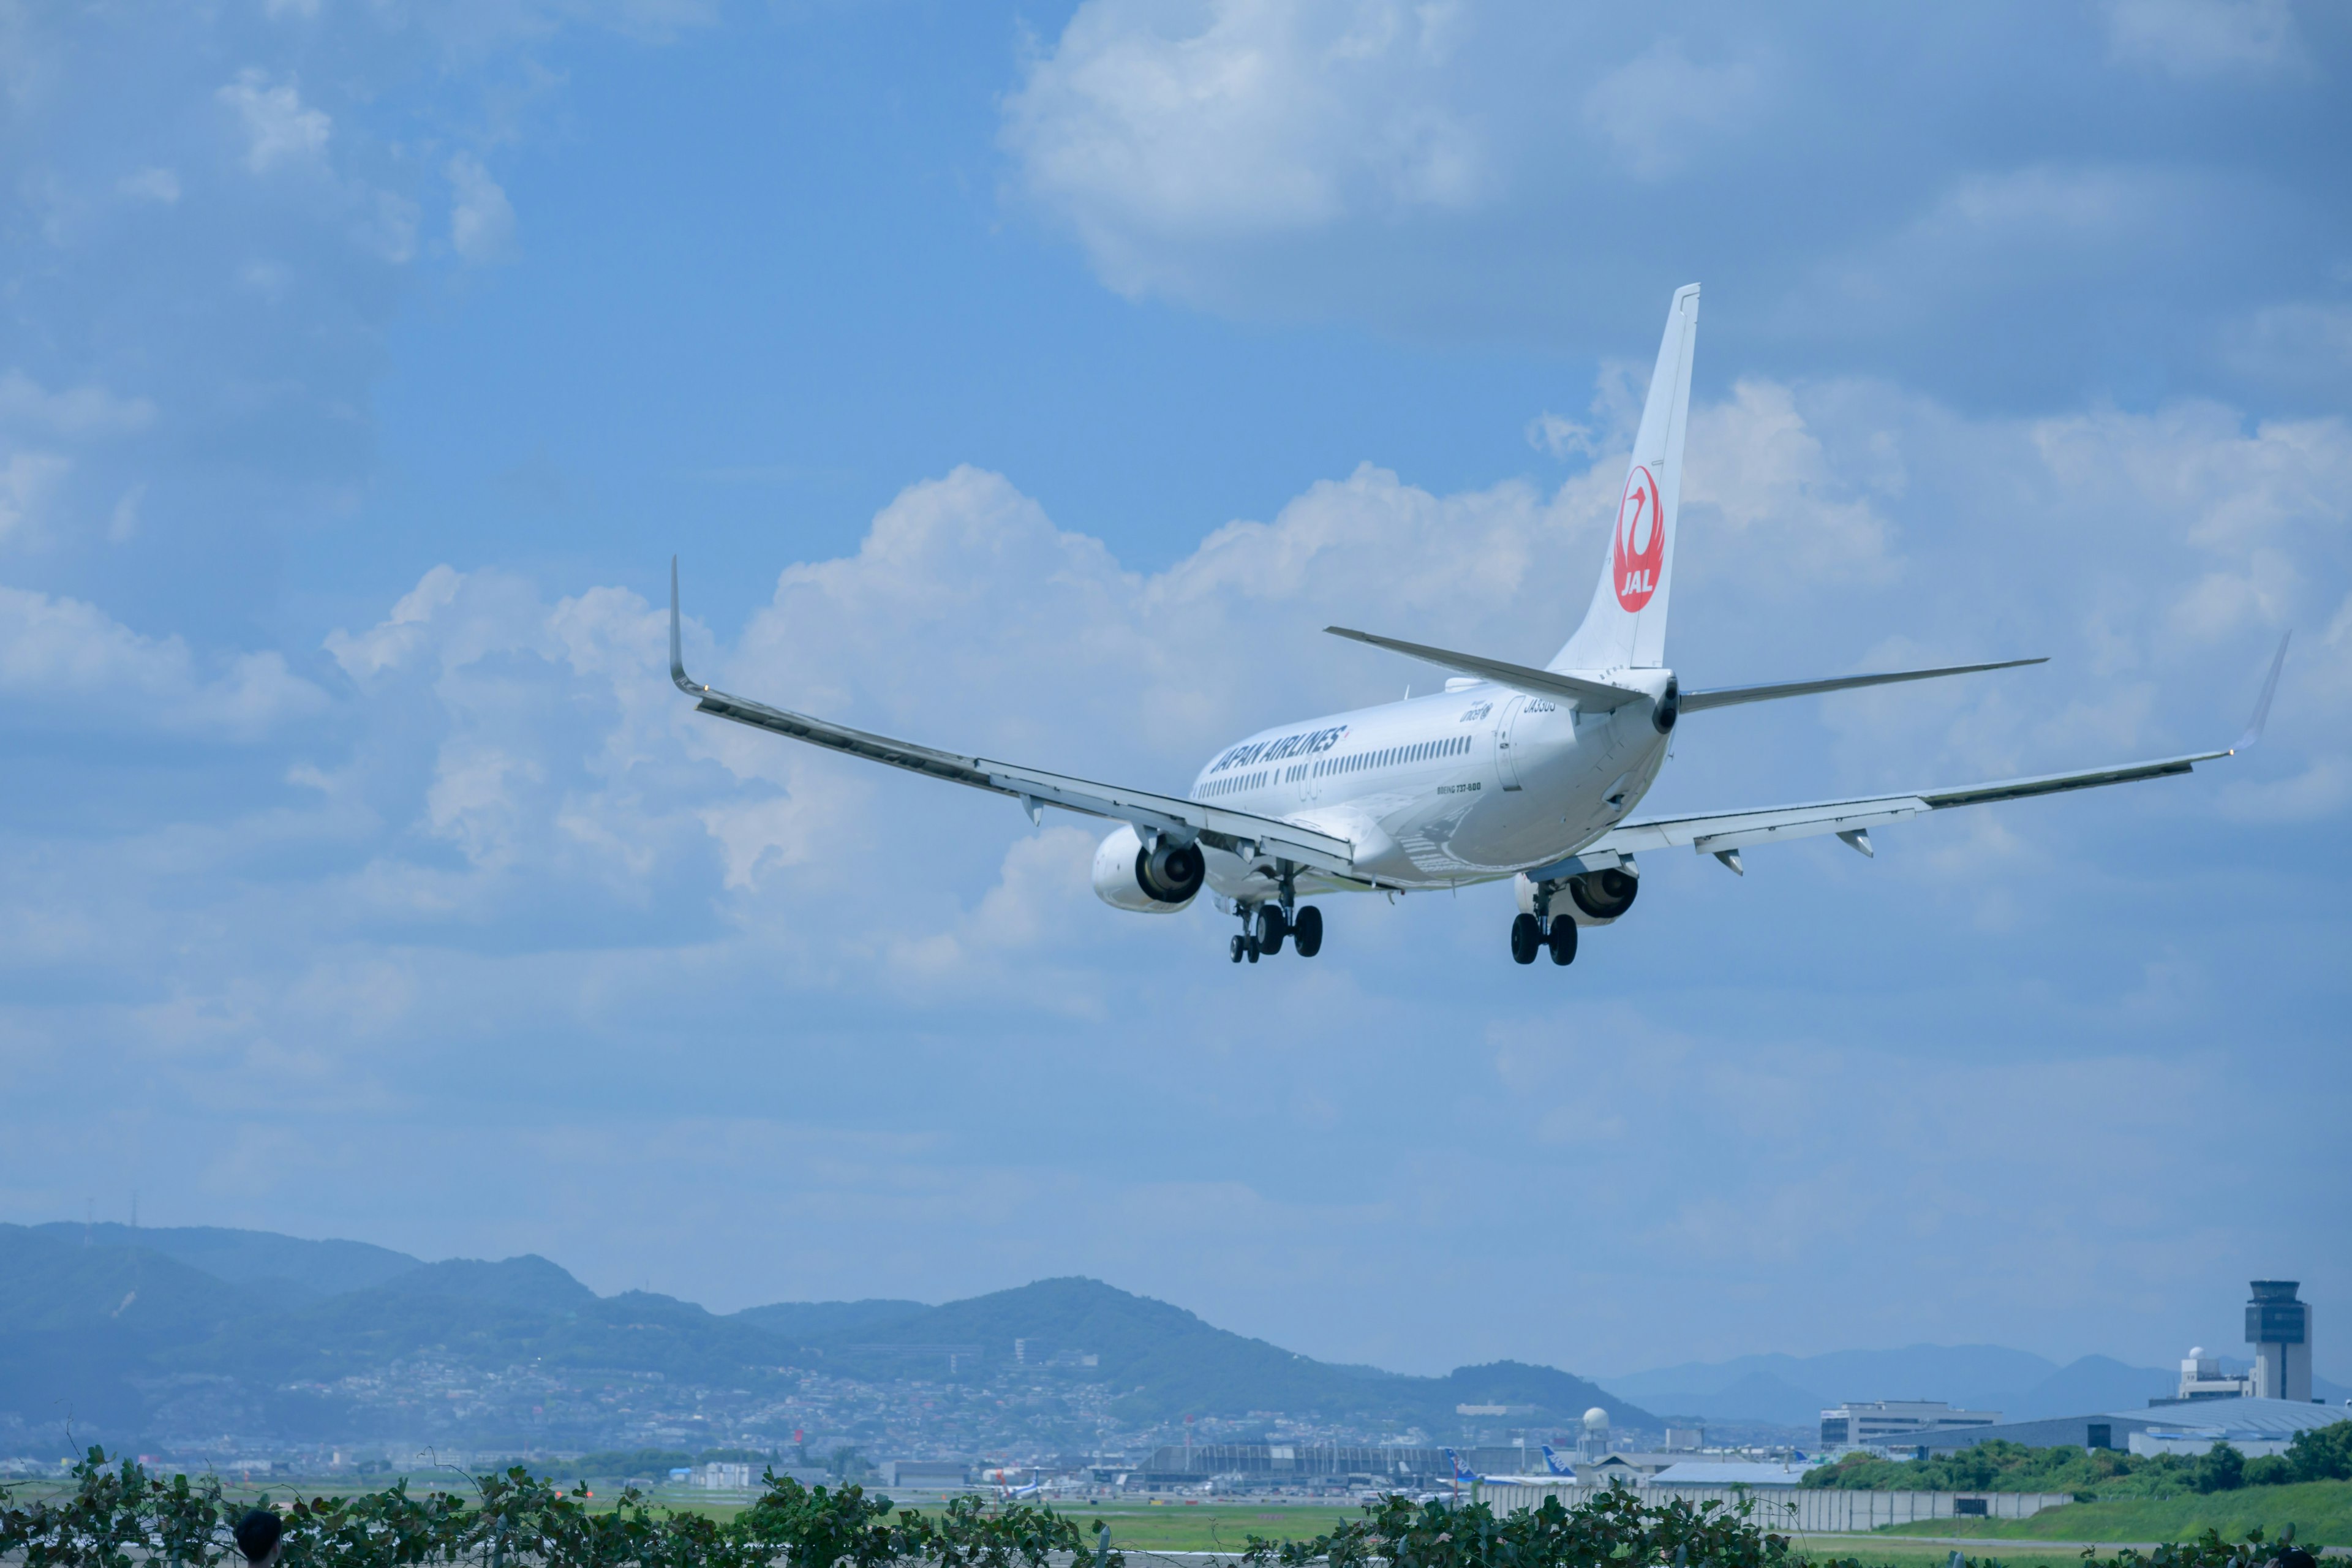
{"points": [[1807, 1510]]}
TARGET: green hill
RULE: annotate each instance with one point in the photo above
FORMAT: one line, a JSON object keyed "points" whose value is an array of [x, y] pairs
{"points": [[283, 1268], [1169, 1363], [96, 1322]]}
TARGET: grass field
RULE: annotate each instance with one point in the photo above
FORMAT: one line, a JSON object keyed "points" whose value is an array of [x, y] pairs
{"points": [[2321, 1512], [1882, 1551]]}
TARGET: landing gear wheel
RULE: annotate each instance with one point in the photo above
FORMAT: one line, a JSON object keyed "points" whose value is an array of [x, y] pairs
{"points": [[1249, 946], [1563, 940], [1525, 937], [1270, 930], [1306, 929], [1237, 950]]}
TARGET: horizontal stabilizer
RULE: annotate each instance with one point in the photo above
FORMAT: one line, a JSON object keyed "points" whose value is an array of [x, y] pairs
{"points": [[1731, 696], [1593, 696]]}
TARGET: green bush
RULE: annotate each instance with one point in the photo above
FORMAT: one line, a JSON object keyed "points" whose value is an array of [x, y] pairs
{"points": [[121, 1517]]}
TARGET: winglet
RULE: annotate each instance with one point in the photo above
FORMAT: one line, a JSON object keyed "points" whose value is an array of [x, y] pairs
{"points": [[676, 654], [2263, 703]]}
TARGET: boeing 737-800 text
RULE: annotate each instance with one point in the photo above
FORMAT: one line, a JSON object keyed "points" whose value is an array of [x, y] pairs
{"points": [[1511, 771]]}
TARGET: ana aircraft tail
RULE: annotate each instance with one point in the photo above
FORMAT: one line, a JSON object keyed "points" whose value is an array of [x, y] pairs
{"points": [[1557, 1465], [1626, 626]]}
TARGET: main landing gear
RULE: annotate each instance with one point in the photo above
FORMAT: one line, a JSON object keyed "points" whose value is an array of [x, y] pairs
{"points": [[1266, 930], [1264, 927], [1531, 934]]}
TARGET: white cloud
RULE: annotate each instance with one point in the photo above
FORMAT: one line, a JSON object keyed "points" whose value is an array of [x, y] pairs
{"points": [[481, 221], [2192, 38], [280, 132], [66, 651], [78, 411], [2199, 458], [1659, 109], [387, 225], [1549, 432], [27, 481], [1240, 117], [399, 635]]}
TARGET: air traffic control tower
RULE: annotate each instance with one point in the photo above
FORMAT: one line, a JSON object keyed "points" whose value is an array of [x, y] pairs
{"points": [[2279, 1328]]}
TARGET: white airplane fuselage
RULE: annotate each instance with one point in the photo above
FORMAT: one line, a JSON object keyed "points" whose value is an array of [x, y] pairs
{"points": [[1467, 785]]}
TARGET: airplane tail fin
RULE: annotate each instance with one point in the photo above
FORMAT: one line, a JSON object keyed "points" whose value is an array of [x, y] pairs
{"points": [[1554, 1463], [1626, 625]]}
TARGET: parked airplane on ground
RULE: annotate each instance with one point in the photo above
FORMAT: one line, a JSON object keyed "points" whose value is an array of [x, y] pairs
{"points": [[1464, 1475], [1561, 1469], [1511, 771]]}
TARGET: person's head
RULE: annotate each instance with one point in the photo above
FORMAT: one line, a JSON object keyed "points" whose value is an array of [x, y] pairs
{"points": [[259, 1534], [2296, 1557]]}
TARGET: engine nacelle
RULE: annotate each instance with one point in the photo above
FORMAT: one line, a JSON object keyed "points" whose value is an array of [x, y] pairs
{"points": [[1589, 898], [1148, 881]]}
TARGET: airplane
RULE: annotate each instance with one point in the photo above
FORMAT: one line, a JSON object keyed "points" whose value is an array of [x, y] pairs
{"points": [[1512, 772], [1561, 1469], [1463, 1475]]}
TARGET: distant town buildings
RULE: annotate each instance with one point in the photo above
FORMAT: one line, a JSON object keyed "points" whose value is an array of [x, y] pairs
{"points": [[1685, 1437]]}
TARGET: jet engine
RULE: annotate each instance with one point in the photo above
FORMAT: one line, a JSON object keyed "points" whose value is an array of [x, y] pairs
{"points": [[1149, 882], [1590, 898], [1668, 708], [1601, 897]]}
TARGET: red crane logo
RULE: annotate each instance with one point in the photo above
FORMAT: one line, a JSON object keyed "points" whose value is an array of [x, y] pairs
{"points": [[1639, 554]]}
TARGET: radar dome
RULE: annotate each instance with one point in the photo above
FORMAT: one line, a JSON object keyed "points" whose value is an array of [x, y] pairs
{"points": [[1596, 1419]]}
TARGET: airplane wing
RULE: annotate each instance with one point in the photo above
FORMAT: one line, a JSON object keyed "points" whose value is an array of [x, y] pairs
{"points": [[1243, 833], [1723, 834]]}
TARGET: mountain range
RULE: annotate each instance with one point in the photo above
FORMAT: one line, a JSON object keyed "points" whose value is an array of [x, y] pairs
{"points": [[132, 1332], [153, 1331], [1792, 1391]]}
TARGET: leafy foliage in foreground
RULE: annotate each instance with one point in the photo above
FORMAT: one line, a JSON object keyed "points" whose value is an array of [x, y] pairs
{"points": [[1618, 1528], [123, 1517], [1615, 1525]]}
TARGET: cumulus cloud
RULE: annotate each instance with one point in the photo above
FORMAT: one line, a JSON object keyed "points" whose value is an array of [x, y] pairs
{"points": [[481, 220], [70, 655], [280, 131], [1241, 116], [78, 411], [1516, 173]]}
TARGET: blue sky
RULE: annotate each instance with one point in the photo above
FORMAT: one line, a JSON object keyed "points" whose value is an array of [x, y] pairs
{"points": [[1038, 380]]}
